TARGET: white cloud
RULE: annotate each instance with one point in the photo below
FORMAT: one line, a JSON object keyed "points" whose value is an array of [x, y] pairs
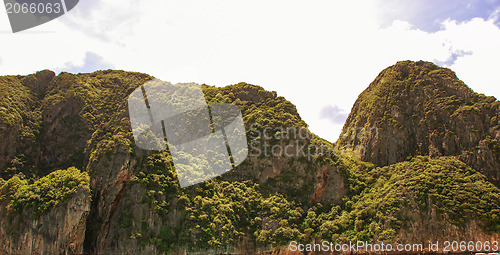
{"points": [[314, 54], [90, 63], [479, 70], [333, 113]]}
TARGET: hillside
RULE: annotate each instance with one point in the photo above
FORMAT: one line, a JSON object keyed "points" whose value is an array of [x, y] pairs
{"points": [[73, 180], [419, 108]]}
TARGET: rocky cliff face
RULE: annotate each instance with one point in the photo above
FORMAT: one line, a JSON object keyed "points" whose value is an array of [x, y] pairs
{"points": [[308, 193], [61, 231], [82, 121], [418, 108]]}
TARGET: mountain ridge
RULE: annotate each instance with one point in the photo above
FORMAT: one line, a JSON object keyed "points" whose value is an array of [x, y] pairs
{"points": [[426, 110], [80, 122]]}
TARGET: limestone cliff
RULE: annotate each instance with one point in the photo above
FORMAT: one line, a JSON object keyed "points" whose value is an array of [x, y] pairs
{"points": [[136, 207], [131, 202], [61, 231], [418, 108]]}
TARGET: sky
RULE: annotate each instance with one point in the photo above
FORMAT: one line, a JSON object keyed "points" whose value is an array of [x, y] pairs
{"points": [[320, 55]]}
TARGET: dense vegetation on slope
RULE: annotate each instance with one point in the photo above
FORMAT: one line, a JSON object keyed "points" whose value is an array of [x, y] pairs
{"points": [[219, 213], [90, 111], [57, 122], [41, 113], [44, 193], [457, 192], [381, 204], [19, 127]]}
